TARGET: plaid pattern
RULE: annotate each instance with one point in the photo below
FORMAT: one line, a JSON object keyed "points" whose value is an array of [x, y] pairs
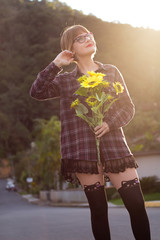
{"points": [[77, 140]]}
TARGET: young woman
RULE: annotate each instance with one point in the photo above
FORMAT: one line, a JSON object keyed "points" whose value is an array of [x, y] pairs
{"points": [[78, 147]]}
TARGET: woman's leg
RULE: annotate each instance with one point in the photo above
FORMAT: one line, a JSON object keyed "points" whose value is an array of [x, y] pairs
{"points": [[128, 185], [93, 185]]}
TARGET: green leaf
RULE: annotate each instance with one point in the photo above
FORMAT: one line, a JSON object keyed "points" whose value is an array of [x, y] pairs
{"points": [[95, 110], [104, 96], [98, 96], [85, 118], [81, 109], [82, 92], [107, 106], [103, 99]]}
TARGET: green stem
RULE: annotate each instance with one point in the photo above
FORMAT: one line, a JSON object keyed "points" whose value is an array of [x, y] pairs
{"points": [[98, 150]]}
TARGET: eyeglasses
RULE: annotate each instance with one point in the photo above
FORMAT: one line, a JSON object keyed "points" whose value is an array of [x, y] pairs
{"points": [[83, 38]]}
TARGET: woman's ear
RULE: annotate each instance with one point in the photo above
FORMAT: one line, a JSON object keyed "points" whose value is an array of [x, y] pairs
{"points": [[74, 56]]}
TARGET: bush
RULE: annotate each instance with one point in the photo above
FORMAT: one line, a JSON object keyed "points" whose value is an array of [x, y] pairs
{"points": [[112, 193], [150, 184]]}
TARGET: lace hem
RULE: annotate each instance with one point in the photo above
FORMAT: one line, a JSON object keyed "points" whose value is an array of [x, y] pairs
{"points": [[120, 165], [69, 167]]}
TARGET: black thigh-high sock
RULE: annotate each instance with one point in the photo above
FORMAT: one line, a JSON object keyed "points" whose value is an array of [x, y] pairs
{"points": [[97, 200], [133, 200]]}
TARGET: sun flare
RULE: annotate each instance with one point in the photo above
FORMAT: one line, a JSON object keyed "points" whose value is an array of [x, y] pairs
{"points": [[144, 13]]}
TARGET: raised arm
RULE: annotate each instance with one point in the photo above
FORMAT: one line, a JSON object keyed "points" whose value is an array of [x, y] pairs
{"points": [[47, 83]]}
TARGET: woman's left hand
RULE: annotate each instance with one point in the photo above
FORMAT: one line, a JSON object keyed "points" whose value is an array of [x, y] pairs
{"points": [[101, 130]]}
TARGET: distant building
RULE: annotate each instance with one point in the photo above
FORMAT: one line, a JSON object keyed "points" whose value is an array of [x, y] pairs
{"points": [[149, 164]]}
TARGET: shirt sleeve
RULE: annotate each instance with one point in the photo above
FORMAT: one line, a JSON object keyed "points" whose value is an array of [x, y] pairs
{"points": [[123, 110], [47, 83]]}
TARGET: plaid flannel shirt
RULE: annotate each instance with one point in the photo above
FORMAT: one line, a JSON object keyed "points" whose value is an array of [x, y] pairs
{"points": [[77, 140]]}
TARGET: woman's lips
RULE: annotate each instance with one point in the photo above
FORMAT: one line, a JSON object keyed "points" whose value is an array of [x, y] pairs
{"points": [[90, 45]]}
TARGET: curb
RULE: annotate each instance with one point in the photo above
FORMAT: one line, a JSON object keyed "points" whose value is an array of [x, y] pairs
{"points": [[152, 203], [32, 199], [79, 205]]}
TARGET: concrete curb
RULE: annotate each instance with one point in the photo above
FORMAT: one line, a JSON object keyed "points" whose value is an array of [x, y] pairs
{"points": [[152, 203], [79, 205], [37, 201], [30, 198]]}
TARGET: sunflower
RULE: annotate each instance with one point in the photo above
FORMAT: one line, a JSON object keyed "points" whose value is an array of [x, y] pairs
{"points": [[92, 73], [105, 84], [118, 87], [92, 81], [75, 103], [92, 101], [81, 79]]}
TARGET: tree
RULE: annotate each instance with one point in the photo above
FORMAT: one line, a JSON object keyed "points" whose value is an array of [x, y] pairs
{"points": [[47, 139], [41, 160]]}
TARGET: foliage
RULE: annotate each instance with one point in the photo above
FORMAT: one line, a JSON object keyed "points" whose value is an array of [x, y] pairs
{"points": [[112, 193], [42, 160], [150, 184], [150, 188], [48, 144], [152, 196], [144, 131]]}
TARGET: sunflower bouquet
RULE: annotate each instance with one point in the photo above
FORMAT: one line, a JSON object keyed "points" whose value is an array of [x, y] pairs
{"points": [[98, 95]]}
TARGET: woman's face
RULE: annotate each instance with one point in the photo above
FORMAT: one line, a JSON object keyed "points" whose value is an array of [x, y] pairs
{"points": [[84, 45]]}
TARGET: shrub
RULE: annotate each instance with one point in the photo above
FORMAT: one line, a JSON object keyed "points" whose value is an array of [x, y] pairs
{"points": [[150, 184], [112, 193]]}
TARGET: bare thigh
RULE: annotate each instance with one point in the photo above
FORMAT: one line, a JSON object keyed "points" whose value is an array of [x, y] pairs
{"points": [[117, 178], [88, 178]]}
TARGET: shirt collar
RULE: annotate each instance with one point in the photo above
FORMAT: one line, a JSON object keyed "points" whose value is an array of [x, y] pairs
{"points": [[76, 72]]}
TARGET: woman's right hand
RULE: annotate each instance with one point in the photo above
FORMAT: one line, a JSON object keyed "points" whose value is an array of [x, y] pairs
{"points": [[64, 58]]}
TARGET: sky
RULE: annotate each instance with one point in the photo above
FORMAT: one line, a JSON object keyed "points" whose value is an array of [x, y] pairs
{"points": [[138, 13]]}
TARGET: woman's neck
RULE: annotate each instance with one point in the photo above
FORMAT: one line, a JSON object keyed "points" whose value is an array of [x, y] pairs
{"points": [[86, 65]]}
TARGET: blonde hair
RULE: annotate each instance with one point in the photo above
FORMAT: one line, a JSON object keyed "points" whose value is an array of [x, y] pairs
{"points": [[69, 34]]}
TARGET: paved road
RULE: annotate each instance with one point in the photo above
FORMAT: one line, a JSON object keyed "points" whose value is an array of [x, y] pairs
{"points": [[20, 220]]}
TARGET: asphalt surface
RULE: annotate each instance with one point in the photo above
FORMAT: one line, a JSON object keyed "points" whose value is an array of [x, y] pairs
{"points": [[21, 220]]}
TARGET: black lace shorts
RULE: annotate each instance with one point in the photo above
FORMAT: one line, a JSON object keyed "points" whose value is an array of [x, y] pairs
{"points": [[69, 167]]}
